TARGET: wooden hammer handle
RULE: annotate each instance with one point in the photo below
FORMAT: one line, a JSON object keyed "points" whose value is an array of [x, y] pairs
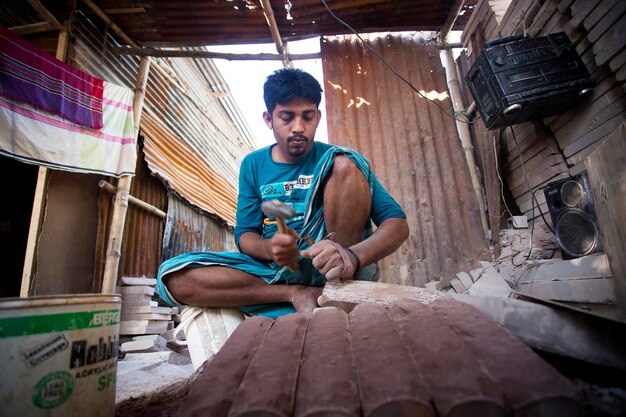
{"points": [[282, 228]]}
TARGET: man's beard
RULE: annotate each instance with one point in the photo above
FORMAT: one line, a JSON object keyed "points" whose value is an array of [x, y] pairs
{"points": [[300, 150]]}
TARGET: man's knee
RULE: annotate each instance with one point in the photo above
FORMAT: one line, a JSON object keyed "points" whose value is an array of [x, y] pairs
{"points": [[345, 167]]}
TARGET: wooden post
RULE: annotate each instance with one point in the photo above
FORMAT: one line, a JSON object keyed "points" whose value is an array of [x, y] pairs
{"points": [[116, 233], [463, 130], [607, 174], [39, 203]]}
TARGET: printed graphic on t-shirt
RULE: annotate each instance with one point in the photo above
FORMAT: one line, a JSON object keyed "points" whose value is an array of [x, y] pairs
{"points": [[285, 188]]}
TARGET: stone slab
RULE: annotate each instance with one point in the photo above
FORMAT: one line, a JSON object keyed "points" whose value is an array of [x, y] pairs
{"points": [[458, 285], [491, 284], [466, 280]]}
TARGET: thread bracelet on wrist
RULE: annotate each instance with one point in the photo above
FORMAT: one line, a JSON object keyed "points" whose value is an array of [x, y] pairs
{"points": [[358, 261]]}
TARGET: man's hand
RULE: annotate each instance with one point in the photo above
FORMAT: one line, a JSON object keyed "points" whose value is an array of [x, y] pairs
{"points": [[284, 249], [332, 260]]}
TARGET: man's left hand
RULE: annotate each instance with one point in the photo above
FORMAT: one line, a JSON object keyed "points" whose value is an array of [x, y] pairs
{"points": [[331, 259]]}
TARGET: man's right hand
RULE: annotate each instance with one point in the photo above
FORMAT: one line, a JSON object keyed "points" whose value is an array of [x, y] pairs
{"points": [[283, 249]]}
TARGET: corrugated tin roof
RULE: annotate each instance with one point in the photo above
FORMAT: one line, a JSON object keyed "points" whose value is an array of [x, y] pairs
{"points": [[192, 140], [409, 359], [193, 23], [413, 148], [185, 171]]}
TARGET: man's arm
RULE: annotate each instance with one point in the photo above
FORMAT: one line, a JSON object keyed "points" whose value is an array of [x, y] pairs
{"points": [[384, 241]]}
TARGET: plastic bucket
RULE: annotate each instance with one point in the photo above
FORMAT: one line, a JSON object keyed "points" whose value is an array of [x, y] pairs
{"points": [[206, 330], [59, 355]]}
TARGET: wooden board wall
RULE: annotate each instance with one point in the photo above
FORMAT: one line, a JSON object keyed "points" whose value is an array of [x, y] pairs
{"points": [[556, 147]]}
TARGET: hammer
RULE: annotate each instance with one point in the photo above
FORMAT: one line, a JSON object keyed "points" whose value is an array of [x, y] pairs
{"points": [[280, 211]]}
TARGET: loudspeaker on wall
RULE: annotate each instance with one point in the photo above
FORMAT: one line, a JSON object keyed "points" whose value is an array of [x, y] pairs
{"points": [[573, 213]]}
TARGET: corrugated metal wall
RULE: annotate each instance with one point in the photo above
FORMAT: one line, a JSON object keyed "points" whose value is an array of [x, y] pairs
{"points": [[556, 147], [188, 230], [181, 103], [413, 147], [143, 231]]}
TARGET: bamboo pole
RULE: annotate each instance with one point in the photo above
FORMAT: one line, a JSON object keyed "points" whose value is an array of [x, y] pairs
{"points": [[463, 129], [39, 202], [116, 233], [134, 200], [174, 53], [271, 21]]}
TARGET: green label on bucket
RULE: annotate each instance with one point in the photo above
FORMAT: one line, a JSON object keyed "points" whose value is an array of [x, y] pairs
{"points": [[53, 389], [51, 323]]}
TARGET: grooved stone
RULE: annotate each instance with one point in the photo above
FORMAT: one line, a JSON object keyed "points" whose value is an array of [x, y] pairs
{"points": [[458, 384], [389, 383], [541, 392], [327, 380], [269, 386], [212, 393]]}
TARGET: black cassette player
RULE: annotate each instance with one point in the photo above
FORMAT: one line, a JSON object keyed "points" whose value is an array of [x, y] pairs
{"points": [[519, 78]]}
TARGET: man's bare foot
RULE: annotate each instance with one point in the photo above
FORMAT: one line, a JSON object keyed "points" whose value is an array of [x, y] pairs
{"points": [[304, 298]]}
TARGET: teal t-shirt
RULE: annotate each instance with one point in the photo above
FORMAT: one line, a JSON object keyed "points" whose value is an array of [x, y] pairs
{"points": [[260, 178]]}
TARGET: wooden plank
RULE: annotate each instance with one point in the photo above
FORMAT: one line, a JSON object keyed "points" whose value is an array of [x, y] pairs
{"points": [[532, 166], [564, 6], [621, 74], [550, 174], [601, 117], [347, 294], [603, 131], [543, 148], [518, 11], [594, 114], [607, 21], [598, 13], [603, 84], [39, 200], [490, 28], [595, 290], [611, 42], [618, 62], [607, 175], [580, 10], [548, 9], [477, 16]]}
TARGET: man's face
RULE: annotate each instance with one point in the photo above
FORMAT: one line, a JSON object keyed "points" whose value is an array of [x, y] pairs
{"points": [[294, 125]]}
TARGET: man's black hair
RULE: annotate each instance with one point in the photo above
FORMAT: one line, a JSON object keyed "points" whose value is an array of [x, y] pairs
{"points": [[287, 84]]}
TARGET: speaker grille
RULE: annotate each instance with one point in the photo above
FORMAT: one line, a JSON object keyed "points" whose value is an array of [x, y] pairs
{"points": [[572, 193], [576, 233]]}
